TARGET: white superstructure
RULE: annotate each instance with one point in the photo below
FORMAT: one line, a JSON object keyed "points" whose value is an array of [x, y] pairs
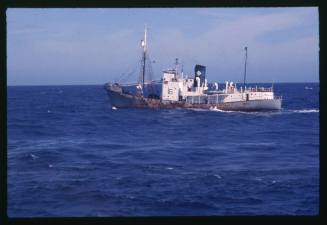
{"points": [[177, 88]]}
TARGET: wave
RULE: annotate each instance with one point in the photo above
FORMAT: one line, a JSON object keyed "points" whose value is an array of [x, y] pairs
{"points": [[264, 144], [306, 111], [219, 110], [209, 109], [217, 176], [243, 112], [198, 109], [284, 111], [34, 156], [258, 113]]}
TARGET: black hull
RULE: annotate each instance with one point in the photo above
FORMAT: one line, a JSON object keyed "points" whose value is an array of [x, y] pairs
{"points": [[120, 100]]}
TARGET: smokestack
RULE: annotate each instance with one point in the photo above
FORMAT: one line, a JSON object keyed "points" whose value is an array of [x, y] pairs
{"points": [[199, 71]]}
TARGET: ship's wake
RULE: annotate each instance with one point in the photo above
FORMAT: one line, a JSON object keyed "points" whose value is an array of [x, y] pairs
{"points": [[219, 110], [306, 111], [280, 112]]}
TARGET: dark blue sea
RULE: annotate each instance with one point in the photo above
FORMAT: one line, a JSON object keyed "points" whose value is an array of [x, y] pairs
{"points": [[71, 154]]}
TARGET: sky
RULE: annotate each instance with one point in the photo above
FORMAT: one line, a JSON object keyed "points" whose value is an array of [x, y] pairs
{"points": [[94, 46]]}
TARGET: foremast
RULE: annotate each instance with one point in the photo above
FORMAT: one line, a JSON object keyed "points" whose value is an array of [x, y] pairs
{"points": [[144, 46]]}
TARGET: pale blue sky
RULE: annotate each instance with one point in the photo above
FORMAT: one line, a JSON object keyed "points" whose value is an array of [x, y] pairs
{"points": [[94, 46]]}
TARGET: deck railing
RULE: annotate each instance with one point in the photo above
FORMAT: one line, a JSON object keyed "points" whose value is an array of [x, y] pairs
{"points": [[261, 89], [210, 99]]}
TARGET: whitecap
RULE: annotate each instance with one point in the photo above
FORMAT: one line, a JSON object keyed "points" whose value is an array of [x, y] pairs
{"points": [[218, 176], [114, 108], [34, 156], [50, 165], [169, 168], [308, 88], [49, 111]]}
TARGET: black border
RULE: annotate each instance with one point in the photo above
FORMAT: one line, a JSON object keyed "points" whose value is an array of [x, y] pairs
{"points": [[4, 4]]}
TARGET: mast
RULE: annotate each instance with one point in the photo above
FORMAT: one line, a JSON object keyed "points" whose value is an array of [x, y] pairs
{"points": [[144, 58], [176, 67], [246, 57]]}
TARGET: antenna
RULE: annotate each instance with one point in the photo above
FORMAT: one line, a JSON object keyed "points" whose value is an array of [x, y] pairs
{"points": [[246, 57]]}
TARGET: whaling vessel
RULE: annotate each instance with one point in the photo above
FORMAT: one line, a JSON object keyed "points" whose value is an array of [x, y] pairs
{"points": [[177, 90]]}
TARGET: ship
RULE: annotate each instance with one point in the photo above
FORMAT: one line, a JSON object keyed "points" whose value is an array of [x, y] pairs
{"points": [[177, 90]]}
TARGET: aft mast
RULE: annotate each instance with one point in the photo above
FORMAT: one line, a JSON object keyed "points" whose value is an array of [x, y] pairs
{"points": [[144, 43], [246, 57]]}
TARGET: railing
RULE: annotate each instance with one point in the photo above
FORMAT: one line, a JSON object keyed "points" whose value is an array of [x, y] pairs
{"points": [[134, 84], [261, 89], [196, 99], [210, 99]]}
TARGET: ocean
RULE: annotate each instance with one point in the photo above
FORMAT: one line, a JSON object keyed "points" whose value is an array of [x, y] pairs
{"points": [[70, 154]]}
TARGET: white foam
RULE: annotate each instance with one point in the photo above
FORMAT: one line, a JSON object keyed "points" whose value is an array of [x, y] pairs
{"points": [[198, 109], [34, 156], [218, 176], [218, 110], [306, 111], [308, 88], [114, 108], [170, 168], [259, 113], [215, 109]]}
